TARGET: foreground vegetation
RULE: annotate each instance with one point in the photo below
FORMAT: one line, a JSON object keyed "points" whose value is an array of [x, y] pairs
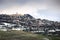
{"points": [[19, 35], [54, 37]]}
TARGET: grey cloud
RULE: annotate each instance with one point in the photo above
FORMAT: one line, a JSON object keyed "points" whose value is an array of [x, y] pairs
{"points": [[21, 1], [54, 4], [8, 3]]}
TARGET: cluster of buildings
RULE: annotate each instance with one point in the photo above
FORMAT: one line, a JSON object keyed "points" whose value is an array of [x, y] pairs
{"points": [[9, 27], [33, 29], [29, 24]]}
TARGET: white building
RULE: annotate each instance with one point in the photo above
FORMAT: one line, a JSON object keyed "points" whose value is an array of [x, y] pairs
{"points": [[3, 28]]}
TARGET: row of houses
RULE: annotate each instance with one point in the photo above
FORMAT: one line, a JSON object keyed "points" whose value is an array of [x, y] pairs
{"points": [[33, 29], [9, 27]]}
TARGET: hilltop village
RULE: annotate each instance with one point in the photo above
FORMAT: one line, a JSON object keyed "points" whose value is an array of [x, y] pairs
{"points": [[28, 23]]}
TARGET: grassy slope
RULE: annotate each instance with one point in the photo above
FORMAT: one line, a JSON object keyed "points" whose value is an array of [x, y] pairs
{"points": [[54, 37], [19, 35]]}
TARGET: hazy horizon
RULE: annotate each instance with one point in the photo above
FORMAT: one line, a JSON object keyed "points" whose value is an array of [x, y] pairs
{"points": [[44, 9]]}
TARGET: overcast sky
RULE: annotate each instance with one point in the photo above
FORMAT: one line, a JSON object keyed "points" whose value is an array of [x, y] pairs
{"points": [[44, 9]]}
